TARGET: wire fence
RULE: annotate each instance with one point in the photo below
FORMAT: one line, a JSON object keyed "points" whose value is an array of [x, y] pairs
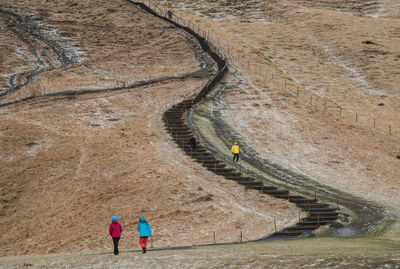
{"points": [[276, 81]]}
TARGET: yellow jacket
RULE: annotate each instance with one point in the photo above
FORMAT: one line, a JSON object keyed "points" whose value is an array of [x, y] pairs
{"points": [[235, 149]]}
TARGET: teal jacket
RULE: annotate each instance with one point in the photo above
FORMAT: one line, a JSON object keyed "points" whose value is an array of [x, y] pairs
{"points": [[143, 228]]}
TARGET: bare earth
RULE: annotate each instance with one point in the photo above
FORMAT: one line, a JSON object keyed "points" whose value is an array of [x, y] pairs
{"points": [[318, 47], [69, 163]]}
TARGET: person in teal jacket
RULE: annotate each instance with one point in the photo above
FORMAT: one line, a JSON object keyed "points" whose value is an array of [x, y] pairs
{"points": [[144, 233]]}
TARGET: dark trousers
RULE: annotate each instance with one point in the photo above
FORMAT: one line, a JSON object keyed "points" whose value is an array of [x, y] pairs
{"points": [[236, 156], [115, 241], [193, 146]]}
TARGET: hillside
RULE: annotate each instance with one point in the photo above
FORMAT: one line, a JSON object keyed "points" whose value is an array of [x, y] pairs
{"points": [[71, 162]]}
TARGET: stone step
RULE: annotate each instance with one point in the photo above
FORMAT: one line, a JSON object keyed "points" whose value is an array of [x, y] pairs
{"points": [[189, 149], [303, 228], [312, 205], [214, 165], [182, 135], [276, 192], [323, 209], [288, 234], [208, 162], [173, 113], [250, 183], [181, 132], [178, 128], [176, 125], [201, 154], [201, 159], [180, 107], [282, 196], [174, 121], [239, 178], [219, 170], [265, 187], [251, 186], [322, 213], [321, 218], [302, 201], [225, 174]]}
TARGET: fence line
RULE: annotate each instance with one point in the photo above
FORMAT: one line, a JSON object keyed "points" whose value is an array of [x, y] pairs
{"points": [[306, 96], [301, 94]]}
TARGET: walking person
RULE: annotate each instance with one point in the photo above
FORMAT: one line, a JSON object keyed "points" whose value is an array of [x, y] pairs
{"points": [[192, 142], [115, 232], [144, 233], [169, 13], [235, 151]]}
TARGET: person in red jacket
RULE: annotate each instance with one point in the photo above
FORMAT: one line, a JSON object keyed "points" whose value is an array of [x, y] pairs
{"points": [[115, 232]]}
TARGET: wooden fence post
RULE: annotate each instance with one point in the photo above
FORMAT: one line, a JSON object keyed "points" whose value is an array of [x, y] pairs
{"points": [[337, 202], [214, 238], [275, 226]]}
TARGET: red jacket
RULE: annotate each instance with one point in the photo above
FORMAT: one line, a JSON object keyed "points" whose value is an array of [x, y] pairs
{"points": [[115, 229]]}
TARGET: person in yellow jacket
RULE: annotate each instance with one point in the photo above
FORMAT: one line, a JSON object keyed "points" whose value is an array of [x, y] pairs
{"points": [[235, 151]]}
